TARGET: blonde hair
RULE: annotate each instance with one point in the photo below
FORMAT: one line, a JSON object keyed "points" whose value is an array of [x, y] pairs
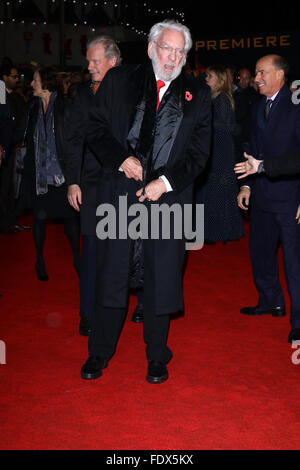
{"points": [[223, 83]]}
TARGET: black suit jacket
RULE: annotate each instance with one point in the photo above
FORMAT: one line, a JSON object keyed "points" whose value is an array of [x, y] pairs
{"points": [[279, 134], [82, 167], [8, 113], [286, 164], [116, 106]]}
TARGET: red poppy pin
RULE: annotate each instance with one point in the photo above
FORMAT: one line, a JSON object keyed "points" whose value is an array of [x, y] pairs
{"points": [[188, 96]]}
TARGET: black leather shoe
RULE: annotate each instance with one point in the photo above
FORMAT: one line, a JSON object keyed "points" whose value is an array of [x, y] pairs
{"points": [[92, 368], [41, 272], [84, 327], [157, 372], [294, 335], [138, 314], [274, 311]]}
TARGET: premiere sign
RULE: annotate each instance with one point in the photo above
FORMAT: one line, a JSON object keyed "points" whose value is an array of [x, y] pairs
{"points": [[247, 42]]}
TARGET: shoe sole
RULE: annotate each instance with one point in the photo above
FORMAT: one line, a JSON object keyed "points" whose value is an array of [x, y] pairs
{"points": [[157, 380], [86, 376], [95, 375], [264, 313]]}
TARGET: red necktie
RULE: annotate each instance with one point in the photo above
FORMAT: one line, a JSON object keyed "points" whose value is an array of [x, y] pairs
{"points": [[95, 87], [160, 84]]}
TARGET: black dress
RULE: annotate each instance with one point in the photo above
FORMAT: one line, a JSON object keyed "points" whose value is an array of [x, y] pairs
{"points": [[218, 190], [53, 204]]}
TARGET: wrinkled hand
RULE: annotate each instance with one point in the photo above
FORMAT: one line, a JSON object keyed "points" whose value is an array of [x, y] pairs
{"points": [[132, 168], [298, 214], [249, 167], [75, 196], [153, 190], [243, 198]]}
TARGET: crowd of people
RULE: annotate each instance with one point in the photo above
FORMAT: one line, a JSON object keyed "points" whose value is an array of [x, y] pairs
{"points": [[154, 133]]}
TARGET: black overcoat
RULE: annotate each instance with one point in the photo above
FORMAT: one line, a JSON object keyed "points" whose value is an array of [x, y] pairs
{"points": [[110, 122], [82, 167]]}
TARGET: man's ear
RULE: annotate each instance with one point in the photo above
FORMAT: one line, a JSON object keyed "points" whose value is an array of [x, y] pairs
{"points": [[150, 47]]}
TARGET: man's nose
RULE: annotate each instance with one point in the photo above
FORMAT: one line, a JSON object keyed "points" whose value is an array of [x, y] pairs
{"points": [[172, 54]]}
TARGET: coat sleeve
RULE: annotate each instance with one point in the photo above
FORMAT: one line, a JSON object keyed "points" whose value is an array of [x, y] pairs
{"points": [[105, 146], [76, 132], [197, 150], [286, 164], [5, 132]]}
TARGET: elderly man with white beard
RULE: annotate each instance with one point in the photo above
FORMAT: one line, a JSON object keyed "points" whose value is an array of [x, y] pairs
{"points": [[150, 130]]}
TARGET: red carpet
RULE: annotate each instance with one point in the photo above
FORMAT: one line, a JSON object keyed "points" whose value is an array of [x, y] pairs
{"points": [[232, 382]]}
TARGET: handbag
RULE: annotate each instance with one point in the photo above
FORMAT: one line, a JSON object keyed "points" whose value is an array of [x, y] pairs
{"points": [[19, 159]]}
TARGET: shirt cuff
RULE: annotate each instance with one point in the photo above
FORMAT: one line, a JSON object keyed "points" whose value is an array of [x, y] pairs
{"points": [[166, 181]]}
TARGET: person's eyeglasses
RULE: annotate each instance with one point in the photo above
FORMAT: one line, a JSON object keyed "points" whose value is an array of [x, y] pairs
{"points": [[14, 76], [168, 50]]}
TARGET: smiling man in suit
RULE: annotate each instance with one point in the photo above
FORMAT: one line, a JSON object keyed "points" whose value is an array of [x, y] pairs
{"points": [[150, 129], [275, 131]]}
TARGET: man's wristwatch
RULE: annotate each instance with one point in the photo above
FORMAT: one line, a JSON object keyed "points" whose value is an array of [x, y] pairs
{"points": [[260, 168]]}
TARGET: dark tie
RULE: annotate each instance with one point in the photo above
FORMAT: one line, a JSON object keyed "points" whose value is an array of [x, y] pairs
{"points": [[268, 107], [160, 84]]}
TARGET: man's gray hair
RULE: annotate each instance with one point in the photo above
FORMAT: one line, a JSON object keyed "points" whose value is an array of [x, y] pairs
{"points": [[157, 29], [110, 47]]}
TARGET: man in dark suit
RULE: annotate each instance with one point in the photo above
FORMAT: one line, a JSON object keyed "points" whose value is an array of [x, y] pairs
{"points": [[150, 129], [84, 170], [8, 115], [275, 130]]}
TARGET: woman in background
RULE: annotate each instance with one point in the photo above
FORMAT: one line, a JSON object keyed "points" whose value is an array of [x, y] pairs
{"points": [[218, 190], [43, 187]]}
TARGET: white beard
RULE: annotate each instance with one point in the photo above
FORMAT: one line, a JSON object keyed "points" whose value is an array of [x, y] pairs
{"points": [[166, 75]]}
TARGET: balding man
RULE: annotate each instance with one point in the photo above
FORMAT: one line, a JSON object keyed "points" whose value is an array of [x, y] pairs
{"points": [[275, 130]]}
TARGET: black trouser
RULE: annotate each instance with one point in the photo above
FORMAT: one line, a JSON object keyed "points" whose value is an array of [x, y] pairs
{"points": [[107, 325], [88, 276], [266, 229]]}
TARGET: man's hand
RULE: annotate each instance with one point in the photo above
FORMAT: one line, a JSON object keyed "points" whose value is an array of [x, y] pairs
{"points": [[248, 167], [243, 198], [153, 190], [74, 196], [298, 214], [132, 168]]}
